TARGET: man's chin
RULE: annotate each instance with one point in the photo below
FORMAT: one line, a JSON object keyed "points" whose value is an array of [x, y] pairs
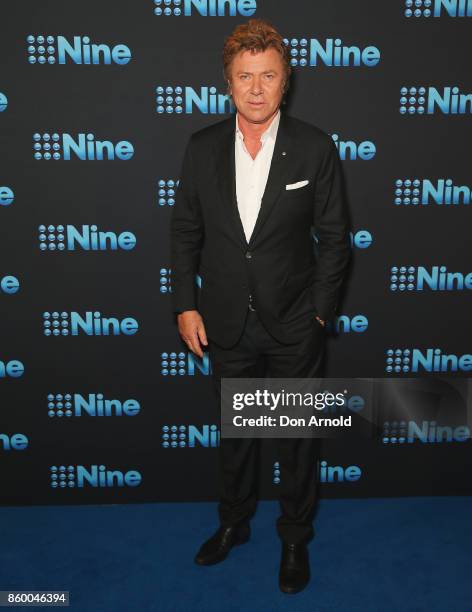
{"points": [[259, 110], [257, 115]]}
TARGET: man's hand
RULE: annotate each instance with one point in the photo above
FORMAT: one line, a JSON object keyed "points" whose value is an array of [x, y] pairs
{"points": [[320, 320], [192, 330]]}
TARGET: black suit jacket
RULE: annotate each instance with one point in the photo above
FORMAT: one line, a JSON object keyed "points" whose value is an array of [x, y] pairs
{"points": [[288, 273]]}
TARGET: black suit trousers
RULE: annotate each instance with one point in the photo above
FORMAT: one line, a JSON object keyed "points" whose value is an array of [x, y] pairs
{"points": [[257, 354]]}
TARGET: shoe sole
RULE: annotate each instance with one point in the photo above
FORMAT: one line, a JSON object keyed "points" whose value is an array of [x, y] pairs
{"points": [[213, 561], [292, 591]]}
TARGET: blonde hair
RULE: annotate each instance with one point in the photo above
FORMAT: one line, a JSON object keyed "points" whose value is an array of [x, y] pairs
{"points": [[255, 35]]}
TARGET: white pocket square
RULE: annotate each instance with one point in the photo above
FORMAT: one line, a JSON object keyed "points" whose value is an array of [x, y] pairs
{"points": [[297, 185]]}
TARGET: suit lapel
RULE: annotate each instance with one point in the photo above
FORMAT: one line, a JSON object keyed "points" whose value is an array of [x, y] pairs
{"points": [[279, 167], [226, 173]]}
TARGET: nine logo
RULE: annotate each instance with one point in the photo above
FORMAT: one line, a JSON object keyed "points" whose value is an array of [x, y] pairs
{"points": [[400, 361], [95, 476], [418, 278], [63, 146], [429, 432], [436, 8], [190, 436], [420, 100], [416, 191], [89, 238], [90, 324], [327, 473], [58, 50]]}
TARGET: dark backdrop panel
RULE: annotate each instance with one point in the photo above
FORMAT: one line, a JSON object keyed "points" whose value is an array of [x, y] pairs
{"points": [[118, 102]]}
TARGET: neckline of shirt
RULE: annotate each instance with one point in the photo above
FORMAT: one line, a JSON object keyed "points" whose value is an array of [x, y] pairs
{"points": [[270, 132]]}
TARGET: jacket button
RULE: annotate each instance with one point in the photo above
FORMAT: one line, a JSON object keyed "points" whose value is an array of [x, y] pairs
{"points": [[248, 254]]}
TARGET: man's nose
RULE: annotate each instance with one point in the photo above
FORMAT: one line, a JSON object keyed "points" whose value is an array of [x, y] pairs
{"points": [[256, 86]]}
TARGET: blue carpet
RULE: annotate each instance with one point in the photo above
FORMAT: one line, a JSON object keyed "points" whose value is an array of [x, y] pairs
{"points": [[403, 554]]}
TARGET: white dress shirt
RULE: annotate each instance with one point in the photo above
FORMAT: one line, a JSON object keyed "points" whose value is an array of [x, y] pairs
{"points": [[251, 174]]}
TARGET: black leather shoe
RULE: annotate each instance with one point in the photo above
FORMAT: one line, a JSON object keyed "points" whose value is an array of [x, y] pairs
{"points": [[216, 549], [294, 568]]}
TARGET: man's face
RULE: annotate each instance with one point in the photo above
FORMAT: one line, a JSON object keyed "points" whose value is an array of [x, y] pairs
{"points": [[256, 84]]}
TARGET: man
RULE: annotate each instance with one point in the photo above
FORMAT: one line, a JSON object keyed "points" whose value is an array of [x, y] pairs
{"points": [[252, 190]]}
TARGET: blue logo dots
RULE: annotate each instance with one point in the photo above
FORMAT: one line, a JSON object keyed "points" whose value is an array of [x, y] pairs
{"points": [[55, 324], [59, 405], [166, 191], [298, 51], [412, 100], [174, 436], [276, 477], [398, 361], [169, 99], [46, 146], [407, 192], [168, 8], [62, 476], [165, 280], [49, 240], [173, 364], [418, 8], [394, 432], [38, 53], [403, 278]]}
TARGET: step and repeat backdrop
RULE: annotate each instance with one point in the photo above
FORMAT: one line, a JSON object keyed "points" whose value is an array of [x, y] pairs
{"points": [[101, 402]]}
